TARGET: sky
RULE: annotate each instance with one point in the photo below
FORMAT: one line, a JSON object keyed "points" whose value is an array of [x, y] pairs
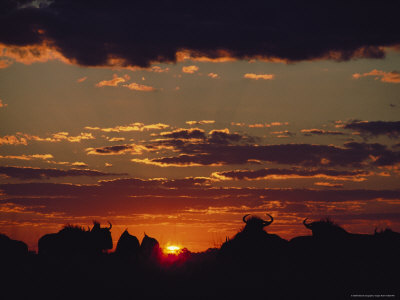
{"points": [[176, 120]]}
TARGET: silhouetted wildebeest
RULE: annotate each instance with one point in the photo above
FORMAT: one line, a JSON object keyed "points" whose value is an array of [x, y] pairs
{"points": [[128, 246], [252, 244], [10, 248], [150, 248], [75, 240]]}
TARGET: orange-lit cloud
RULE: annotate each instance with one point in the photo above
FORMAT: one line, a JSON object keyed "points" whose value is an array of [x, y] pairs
{"points": [[81, 79], [32, 53], [190, 69], [309, 132], [3, 104], [158, 69], [131, 127], [259, 125], [391, 77], [27, 157], [220, 57], [5, 63], [139, 87], [213, 75], [113, 82], [117, 150], [13, 140], [202, 122], [292, 173], [259, 76], [116, 139], [329, 184]]}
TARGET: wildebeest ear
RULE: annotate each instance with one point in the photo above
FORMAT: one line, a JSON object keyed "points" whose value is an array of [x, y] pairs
{"points": [[96, 225]]}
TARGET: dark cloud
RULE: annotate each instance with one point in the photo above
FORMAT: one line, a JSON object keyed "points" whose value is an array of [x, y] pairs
{"points": [[140, 32], [116, 150], [194, 133], [375, 128], [162, 196], [27, 173], [351, 154], [287, 173], [310, 132]]}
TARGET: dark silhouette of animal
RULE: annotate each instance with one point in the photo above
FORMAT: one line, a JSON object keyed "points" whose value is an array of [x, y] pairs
{"points": [[150, 249], [75, 240], [252, 245], [10, 248], [128, 246]]}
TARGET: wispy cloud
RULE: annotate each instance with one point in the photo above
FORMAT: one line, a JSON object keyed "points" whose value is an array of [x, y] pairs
{"points": [[190, 69], [213, 75], [391, 77], [375, 128], [202, 122], [113, 82], [309, 132], [3, 104], [79, 80], [4, 63], [27, 156], [131, 127], [259, 76], [117, 150], [139, 87], [27, 173]]}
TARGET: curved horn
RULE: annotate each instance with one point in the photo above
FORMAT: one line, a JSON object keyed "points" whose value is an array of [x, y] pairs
{"points": [[308, 226], [266, 223], [244, 218], [109, 228]]}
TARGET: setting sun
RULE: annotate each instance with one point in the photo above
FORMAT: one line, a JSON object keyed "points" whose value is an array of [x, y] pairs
{"points": [[172, 249]]}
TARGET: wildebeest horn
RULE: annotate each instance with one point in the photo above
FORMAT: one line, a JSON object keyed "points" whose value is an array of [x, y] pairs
{"points": [[244, 218], [266, 223], [307, 225], [109, 228]]}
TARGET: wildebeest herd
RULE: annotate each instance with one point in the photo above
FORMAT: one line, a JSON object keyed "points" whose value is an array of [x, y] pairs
{"points": [[331, 263]]}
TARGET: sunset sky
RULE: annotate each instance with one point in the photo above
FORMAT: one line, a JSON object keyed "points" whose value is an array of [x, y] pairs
{"points": [[176, 119]]}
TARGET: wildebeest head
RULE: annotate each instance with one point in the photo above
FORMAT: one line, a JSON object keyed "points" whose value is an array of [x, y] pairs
{"points": [[127, 244], [256, 223], [325, 229], [150, 247], [101, 237]]}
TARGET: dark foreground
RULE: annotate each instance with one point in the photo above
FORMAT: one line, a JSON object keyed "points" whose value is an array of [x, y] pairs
{"points": [[330, 264]]}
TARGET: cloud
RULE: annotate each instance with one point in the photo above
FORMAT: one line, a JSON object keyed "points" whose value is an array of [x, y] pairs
{"points": [[259, 125], [158, 69], [213, 75], [259, 76], [27, 157], [375, 128], [391, 77], [133, 195], [280, 174], [4, 63], [310, 132], [82, 79], [117, 150], [212, 35], [13, 140], [222, 148], [139, 87], [193, 133], [116, 139], [202, 122], [131, 127], [113, 82], [190, 69], [27, 173], [329, 184]]}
